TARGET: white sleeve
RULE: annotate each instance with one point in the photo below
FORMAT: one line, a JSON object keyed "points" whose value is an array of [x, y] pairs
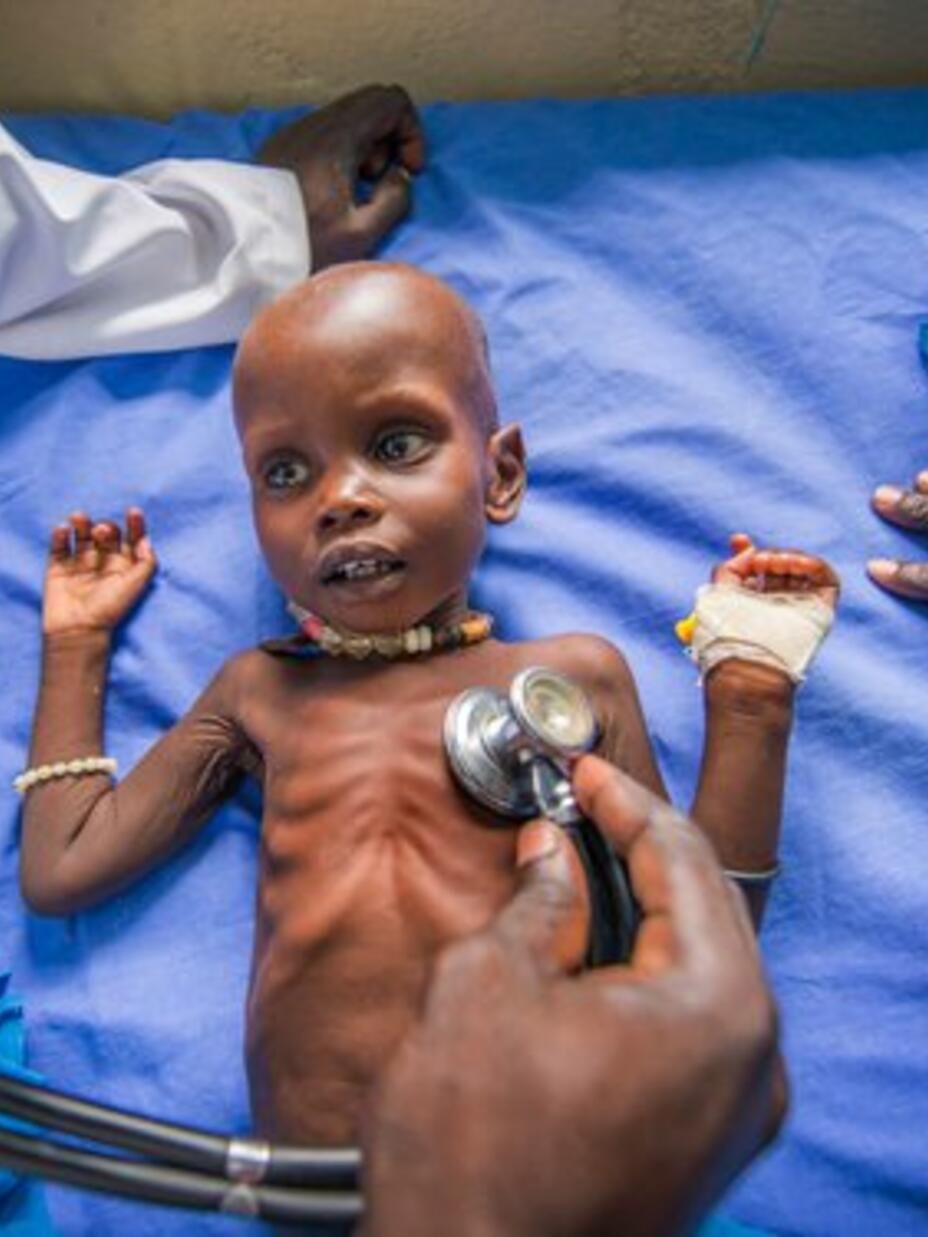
{"points": [[171, 255]]}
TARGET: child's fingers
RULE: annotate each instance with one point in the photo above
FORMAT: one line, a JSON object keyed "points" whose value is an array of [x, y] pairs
{"points": [[82, 529], [794, 571], [59, 544], [784, 562], [106, 537], [740, 566], [137, 535], [135, 529]]}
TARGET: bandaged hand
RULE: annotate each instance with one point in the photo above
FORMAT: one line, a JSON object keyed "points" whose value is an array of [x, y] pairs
{"points": [[96, 573], [770, 606]]}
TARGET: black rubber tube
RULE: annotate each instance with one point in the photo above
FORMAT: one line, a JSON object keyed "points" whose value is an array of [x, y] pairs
{"points": [[184, 1146], [172, 1187]]}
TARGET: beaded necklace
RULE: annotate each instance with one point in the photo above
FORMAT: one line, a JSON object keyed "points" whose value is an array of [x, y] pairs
{"points": [[413, 641]]}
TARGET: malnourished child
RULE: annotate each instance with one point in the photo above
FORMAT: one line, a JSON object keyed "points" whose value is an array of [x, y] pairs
{"points": [[369, 432]]}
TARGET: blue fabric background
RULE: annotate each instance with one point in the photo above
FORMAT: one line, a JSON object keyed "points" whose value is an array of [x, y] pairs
{"points": [[704, 313]]}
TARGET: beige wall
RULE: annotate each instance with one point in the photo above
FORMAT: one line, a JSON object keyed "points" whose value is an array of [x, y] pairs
{"points": [[155, 56]]}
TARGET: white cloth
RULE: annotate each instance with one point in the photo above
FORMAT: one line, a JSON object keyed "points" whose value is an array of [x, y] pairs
{"points": [[174, 254]]}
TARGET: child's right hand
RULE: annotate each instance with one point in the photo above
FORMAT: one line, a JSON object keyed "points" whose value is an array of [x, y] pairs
{"points": [[95, 573]]}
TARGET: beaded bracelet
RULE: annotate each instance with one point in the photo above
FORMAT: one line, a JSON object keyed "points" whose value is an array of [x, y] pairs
{"points": [[63, 768]]}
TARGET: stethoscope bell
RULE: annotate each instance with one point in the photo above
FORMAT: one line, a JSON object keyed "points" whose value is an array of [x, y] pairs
{"points": [[513, 756]]}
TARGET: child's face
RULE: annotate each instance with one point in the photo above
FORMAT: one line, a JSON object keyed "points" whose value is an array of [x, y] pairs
{"points": [[366, 422]]}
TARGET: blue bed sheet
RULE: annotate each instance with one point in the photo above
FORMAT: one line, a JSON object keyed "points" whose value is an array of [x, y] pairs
{"points": [[705, 315]]}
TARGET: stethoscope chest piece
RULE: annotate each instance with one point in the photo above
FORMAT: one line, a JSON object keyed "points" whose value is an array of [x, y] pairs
{"points": [[513, 755], [495, 742], [490, 771]]}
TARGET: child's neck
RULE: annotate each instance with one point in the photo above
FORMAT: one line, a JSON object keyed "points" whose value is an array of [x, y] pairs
{"points": [[451, 625]]}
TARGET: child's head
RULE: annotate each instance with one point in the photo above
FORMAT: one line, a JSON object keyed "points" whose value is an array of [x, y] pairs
{"points": [[368, 425]]}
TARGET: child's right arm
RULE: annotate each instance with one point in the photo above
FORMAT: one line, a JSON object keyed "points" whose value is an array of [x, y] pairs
{"points": [[82, 837]]}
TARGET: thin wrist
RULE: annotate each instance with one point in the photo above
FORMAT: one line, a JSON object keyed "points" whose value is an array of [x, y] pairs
{"points": [[750, 686], [78, 638]]}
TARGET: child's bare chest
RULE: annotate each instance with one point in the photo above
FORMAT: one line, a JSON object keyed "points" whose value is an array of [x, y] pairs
{"points": [[358, 796]]}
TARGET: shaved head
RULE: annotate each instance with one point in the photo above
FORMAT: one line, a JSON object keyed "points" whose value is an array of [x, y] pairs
{"points": [[378, 314]]}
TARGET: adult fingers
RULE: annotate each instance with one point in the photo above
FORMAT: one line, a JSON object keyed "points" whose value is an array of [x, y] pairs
{"points": [[904, 579], [545, 926], [906, 508], [376, 161], [388, 113], [690, 917], [389, 203]]}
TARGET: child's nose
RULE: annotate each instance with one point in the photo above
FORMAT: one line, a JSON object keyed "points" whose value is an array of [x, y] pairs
{"points": [[347, 506]]}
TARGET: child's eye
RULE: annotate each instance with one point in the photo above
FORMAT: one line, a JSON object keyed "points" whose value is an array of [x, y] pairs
{"points": [[401, 446], [285, 474]]}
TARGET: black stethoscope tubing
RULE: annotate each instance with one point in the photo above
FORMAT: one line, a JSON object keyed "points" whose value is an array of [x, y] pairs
{"points": [[193, 1168], [180, 1145], [174, 1187]]}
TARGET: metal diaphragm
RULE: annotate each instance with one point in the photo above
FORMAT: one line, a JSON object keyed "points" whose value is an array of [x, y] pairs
{"points": [[493, 741], [554, 711], [482, 743]]}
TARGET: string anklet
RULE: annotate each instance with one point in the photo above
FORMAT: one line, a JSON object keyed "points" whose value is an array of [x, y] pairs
{"points": [[766, 876], [63, 768]]}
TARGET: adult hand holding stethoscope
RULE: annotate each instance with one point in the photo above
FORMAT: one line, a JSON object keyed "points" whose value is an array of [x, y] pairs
{"points": [[534, 1099]]}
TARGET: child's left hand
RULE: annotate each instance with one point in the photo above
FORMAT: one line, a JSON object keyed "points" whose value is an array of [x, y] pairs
{"points": [[777, 571]]}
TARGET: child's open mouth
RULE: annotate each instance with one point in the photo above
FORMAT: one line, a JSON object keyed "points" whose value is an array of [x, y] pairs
{"points": [[367, 569], [359, 565]]}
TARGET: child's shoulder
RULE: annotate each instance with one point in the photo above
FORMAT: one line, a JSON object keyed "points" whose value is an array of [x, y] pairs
{"points": [[592, 660], [243, 672]]}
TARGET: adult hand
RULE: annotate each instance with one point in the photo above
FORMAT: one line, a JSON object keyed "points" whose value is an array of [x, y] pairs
{"points": [[374, 135], [532, 1100], [908, 509]]}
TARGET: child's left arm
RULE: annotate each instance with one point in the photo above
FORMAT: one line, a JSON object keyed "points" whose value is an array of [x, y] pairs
{"points": [[749, 715]]}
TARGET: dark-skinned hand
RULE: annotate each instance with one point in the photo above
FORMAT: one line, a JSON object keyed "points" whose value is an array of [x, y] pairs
{"points": [[96, 573], [908, 509], [531, 1100], [372, 135]]}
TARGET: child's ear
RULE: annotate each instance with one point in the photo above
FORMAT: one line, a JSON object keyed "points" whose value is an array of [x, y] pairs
{"points": [[507, 476]]}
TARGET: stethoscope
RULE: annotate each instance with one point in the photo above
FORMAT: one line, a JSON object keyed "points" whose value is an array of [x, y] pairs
{"points": [[513, 755]]}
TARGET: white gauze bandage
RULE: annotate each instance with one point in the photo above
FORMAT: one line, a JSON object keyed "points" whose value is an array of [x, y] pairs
{"points": [[783, 630]]}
